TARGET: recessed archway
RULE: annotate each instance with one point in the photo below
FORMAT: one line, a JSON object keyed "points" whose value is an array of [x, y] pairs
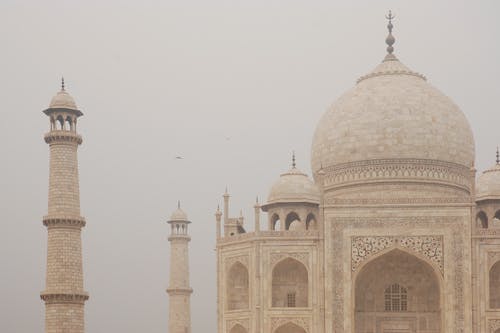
{"points": [[290, 218], [290, 284], [238, 329], [482, 220], [397, 292], [237, 287], [290, 328], [275, 222], [494, 286]]}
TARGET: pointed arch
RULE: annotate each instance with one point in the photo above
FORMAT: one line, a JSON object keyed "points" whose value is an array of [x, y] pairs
{"points": [[393, 282], [290, 328], [481, 220], [291, 217], [290, 287], [311, 222], [275, 222], [238, 329], [237, 290], [494, 286]]}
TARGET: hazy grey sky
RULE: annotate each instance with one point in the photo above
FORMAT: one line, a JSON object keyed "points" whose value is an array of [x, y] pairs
{"points": [[156, 79]]}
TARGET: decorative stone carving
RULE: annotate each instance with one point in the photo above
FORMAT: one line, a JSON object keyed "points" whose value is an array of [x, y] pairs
{"points": [[493, 257], [375, 170], [277, 322], [456, 242], [362, 248], [303, 257], [493, 325], [243, 259], [240, 321]]}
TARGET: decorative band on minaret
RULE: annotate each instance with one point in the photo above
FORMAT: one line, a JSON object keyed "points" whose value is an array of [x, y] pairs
{"points": [[179, 291], [64, 295]]}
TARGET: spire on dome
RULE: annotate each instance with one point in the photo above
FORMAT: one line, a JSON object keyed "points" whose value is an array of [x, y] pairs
{"points": [[293, 160], [498, 156], [390, 40], [178, 204], [62, 83]]}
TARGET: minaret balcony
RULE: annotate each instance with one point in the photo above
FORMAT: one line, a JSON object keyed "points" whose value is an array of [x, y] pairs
{"points": [[62, 136]]}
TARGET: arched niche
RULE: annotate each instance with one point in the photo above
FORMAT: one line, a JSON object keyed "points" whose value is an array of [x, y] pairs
{"points": [[238, 329], [291, 217], [497, 330], [494, 286], [237, 287], [481, 220], [496, 217], [290, 284], [275, 222], [311, 222], [290, 328], [397, 292]]}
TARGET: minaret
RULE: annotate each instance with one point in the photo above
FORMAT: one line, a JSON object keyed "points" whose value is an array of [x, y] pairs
{"points": [[179, 291], [64, 296]]}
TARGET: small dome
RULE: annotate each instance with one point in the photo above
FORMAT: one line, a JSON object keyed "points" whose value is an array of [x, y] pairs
{"points": [[391, 114], [294, 186], [63, 100], [178, 215], [488, 184]]}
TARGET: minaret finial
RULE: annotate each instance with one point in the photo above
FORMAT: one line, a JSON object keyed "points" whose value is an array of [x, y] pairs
{"points": [[498, 156], [390, 40], [293, 159], [178, 204], [62, 83]]}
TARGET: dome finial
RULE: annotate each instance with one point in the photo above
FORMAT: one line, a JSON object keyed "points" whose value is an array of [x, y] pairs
{"points": [[178, 204], [390, 40], [293, 159], [62, 83], [498, 156]]}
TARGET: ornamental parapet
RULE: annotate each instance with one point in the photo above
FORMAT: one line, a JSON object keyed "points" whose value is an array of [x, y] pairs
{"points": [[61, 221], [271, 234], [179, 237], [64, 298], [398, 170], [179, 291], [63, 136]]}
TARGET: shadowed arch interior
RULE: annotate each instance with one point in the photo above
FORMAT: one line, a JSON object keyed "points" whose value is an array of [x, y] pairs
{"points": [[290, 284], [275, 222], [494, 287], [237, 287], [238, 329], [397, 292], [482, 220], [291, 217]]}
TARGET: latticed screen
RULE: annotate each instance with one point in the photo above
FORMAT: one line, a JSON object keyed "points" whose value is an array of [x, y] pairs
{"points": [[396, 298], [290, 298]]}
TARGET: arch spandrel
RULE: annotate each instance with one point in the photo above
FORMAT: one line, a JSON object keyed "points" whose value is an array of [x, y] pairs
{"points": [[427, 248], [290, 325]]}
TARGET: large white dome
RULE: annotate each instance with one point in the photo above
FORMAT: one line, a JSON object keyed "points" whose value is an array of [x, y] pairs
{"points": [[392, 113]]}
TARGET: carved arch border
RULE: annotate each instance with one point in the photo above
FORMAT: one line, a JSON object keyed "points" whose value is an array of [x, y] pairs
{"points": [[302, 257], [428, 248], [243, 322], [230, 261], [277, 322], [493, 325]]}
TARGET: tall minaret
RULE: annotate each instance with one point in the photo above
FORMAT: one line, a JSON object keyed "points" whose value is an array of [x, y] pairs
{"points": [[64, 295], [179, 291]]}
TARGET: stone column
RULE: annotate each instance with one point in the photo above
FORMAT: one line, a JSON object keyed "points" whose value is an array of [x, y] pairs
{"points": [[64, 296]]}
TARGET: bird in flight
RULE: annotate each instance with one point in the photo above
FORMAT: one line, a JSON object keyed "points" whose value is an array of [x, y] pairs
{"points": [[179, 157]]}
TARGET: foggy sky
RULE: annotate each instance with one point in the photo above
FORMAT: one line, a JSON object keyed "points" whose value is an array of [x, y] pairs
{"points": [[157, 79]]}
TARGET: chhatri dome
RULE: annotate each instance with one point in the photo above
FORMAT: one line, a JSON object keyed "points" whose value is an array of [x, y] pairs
{"points": [[488, 183], [63, 100], [179, 215], [392, 113], [294, 186]]}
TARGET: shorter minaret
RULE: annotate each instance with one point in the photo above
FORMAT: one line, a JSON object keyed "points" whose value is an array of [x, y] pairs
{"points": [[179, 291]]}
